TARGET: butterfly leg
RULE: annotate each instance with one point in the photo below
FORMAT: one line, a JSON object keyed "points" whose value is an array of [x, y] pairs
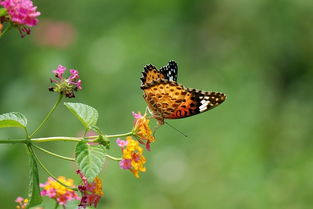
{"points": [[147, 110], [155, 129]]}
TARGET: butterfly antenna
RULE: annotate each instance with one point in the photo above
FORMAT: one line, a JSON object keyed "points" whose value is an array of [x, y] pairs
{"points": [[175, 129]]}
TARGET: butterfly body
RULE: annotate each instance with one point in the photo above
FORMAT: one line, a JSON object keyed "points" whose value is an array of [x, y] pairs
{"points": [[167, 99]]}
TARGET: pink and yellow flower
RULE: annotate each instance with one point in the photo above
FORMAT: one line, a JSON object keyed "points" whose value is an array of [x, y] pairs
{"points": [[91, 192], [66, 86], [142, 130], [56, 191], [133, 159], [22, 203]]}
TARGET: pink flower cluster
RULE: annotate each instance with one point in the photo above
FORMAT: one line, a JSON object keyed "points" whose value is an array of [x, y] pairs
{"points": [[57, 191], [22, 203], [91, 192], [22, 13], [66, 86]]}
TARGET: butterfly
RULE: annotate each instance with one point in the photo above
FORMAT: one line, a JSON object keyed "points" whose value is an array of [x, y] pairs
{"points": [[166, 99]]}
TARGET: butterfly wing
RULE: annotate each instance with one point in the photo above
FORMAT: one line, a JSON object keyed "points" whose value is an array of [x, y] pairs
{"points": [[150, 74], [168, 72], [169, 100]]}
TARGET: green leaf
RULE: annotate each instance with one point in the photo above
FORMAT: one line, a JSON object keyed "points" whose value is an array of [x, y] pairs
{"points": [[87, 115], [3, 12], [72, 204], [90, 159], [13, 119], [34, 189]]}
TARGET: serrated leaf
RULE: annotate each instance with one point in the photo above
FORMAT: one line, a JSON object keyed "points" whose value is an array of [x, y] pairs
{"points": [[13, 119], [87, 115], [34, 189], [90, 159]]}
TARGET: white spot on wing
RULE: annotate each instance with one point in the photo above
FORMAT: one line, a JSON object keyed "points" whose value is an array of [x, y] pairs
{"points": [[204, 105]]}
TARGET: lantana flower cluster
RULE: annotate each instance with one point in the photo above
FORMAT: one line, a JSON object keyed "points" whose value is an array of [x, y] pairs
{"points": [[91, 192], [56, 191], [66, 86], [132, 152], [22, 203], [133, 159], [20, 13]]}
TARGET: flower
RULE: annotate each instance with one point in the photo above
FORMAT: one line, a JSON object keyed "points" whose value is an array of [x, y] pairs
{"points": [[91, 192], [121, 143], [59, 71], [22, 13], [22, 203], [142, 130], [125, 164], [56, 191], [68, 85], [133, 159], [74, 74]]}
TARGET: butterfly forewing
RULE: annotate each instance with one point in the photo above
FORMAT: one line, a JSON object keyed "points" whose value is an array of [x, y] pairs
{"points": [[168, 72]]}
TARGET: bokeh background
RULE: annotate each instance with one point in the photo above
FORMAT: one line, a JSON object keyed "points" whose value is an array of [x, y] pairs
{"points": [[252, 152]]}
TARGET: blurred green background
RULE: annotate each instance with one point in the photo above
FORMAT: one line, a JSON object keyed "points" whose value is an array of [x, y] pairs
{"points": [[252, 152]]}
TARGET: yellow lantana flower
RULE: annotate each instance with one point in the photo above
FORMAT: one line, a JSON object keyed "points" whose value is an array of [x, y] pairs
{"points": [[56, 191], [133, 159], [142, 130]]}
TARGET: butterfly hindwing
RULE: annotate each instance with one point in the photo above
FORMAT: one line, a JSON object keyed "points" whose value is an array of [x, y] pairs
{"points": [[169, 100], [195, 102]]}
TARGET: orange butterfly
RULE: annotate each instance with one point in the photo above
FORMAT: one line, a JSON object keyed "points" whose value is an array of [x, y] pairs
{"points": [[167, 99]]}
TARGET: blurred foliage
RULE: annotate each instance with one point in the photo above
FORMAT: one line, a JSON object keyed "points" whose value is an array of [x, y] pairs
{"points": [[254, 151]]}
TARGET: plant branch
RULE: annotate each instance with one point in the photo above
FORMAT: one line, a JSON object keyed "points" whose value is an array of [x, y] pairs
{"points": [[56, 138], [54, 154], [48, 115], [59, 138], [12, 141], [119, 135], [113, 158]]}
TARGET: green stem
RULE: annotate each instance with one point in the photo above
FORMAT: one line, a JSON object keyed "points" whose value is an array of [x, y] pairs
{"points": [[48, 115], [54, 154], [59, 138], [56, 205], [26, 133], [85, 133], [119, 135], [113, 158], [6, 30], [49, 173], [13, 141]]}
